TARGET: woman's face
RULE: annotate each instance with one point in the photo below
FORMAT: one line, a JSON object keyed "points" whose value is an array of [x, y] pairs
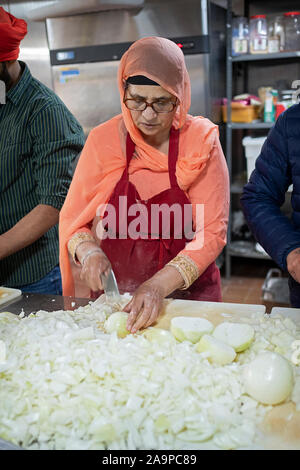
{"points": [[149, 122]]}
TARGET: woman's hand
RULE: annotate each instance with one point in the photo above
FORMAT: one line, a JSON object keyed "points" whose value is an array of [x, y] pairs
{"points": [[147, 301], [145, 306], [94, 263]]}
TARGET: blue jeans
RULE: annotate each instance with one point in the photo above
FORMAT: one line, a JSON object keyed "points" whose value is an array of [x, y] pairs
{"points": [[50, 284]]}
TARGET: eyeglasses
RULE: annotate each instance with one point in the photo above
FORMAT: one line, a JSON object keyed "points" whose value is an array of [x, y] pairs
{"points": [[159, 106]]}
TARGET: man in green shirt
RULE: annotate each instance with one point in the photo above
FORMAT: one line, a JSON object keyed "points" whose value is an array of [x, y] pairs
{"points": [[39, 141]]}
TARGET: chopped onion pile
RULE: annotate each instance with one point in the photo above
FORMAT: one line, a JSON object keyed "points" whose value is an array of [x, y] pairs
{"points": [[67, 384]]}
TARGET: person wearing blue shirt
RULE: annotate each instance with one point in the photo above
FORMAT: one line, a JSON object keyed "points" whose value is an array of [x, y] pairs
{"points": [[277, 167]]}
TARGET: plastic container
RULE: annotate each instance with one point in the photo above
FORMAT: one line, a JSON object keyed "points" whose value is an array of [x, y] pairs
{"points": [[269, 109], [241, 112], [253, 146], [276, 35], [258, 35], [240, 36], [292, 30], [270, 105]]}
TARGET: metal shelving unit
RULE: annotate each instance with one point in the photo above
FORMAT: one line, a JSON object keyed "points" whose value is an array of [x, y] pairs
{"points": [[274, 56], [256, 125], [237, 186]]}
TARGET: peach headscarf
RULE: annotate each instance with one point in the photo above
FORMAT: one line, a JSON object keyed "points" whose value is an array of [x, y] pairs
{"points": [[103, 158]]}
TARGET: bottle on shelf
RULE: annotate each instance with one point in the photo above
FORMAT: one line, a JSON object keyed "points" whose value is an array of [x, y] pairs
{"points": [[292, 30], [258, 34], [276, 35], [240, 36], [269, 107]]}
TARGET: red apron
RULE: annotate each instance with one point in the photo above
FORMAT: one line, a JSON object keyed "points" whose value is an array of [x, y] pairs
{"points": [[136, 260]]}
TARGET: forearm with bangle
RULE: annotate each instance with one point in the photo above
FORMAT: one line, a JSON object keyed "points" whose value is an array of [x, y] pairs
{"points": [[81, 246]]}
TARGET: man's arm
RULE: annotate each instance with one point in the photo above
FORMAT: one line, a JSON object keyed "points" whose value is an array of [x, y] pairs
{"points": [[29, 229]]}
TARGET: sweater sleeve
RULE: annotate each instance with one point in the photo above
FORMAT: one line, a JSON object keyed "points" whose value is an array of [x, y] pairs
{"points": [[209, 196], [264, 195]]}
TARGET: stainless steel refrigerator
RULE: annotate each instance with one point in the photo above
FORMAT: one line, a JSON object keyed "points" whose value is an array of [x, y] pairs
{"points": [[85, 50]]}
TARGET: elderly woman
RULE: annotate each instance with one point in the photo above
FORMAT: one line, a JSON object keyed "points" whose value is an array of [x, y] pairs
{"points": [[152, 156]]}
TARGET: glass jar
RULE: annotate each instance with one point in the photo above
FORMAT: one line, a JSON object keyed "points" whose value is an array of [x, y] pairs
{"points": [[258, 34], [240, 36], [276, 36], [292, 30]]}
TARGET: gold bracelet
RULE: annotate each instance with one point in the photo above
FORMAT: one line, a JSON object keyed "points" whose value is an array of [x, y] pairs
{"points": [[75, 241], [187, 268]]}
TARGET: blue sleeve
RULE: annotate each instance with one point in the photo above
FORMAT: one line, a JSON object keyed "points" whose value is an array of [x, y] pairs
{"points": [[264, 194]]}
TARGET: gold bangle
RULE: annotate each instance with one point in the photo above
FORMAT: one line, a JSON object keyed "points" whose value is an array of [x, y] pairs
{"points": [[187, 268], [75, 241]]}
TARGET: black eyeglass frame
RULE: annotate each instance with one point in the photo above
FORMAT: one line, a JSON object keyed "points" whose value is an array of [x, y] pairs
{"points": [[149, 104]]}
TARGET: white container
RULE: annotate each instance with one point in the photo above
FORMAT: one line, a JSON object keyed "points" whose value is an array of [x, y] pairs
{"points": [[253, 146]]}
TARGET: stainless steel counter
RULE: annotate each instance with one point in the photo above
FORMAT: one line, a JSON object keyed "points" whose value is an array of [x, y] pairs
{"points": [[31, 303]]}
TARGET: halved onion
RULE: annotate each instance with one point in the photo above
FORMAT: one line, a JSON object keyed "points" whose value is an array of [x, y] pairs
{"points": [[219, 352], [238, 335], [158, 335], [190, 328]]}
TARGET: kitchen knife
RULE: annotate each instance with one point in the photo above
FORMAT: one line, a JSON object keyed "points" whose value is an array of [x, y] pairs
{"points": [[110, 287]]}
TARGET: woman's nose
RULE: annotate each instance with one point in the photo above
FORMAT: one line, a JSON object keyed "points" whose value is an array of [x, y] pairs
{"points": [[149, 113]]}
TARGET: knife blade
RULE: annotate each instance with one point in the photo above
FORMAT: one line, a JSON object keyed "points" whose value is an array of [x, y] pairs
{"points": [[110, 287]]}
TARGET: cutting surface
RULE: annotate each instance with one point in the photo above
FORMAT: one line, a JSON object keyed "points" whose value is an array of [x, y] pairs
{"points": [[216, 312]]}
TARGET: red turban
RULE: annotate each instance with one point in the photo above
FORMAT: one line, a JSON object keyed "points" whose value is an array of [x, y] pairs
{"points": [[12, 31]]}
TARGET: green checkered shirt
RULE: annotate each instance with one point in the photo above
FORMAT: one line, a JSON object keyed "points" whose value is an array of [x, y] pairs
{"points": [[39, 141]]}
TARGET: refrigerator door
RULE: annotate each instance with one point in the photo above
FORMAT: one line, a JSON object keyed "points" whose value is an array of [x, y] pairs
{"points": [[89, 90]]}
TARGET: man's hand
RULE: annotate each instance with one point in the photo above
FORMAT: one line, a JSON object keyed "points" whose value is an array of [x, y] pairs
{"points": [[293, 264]]}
